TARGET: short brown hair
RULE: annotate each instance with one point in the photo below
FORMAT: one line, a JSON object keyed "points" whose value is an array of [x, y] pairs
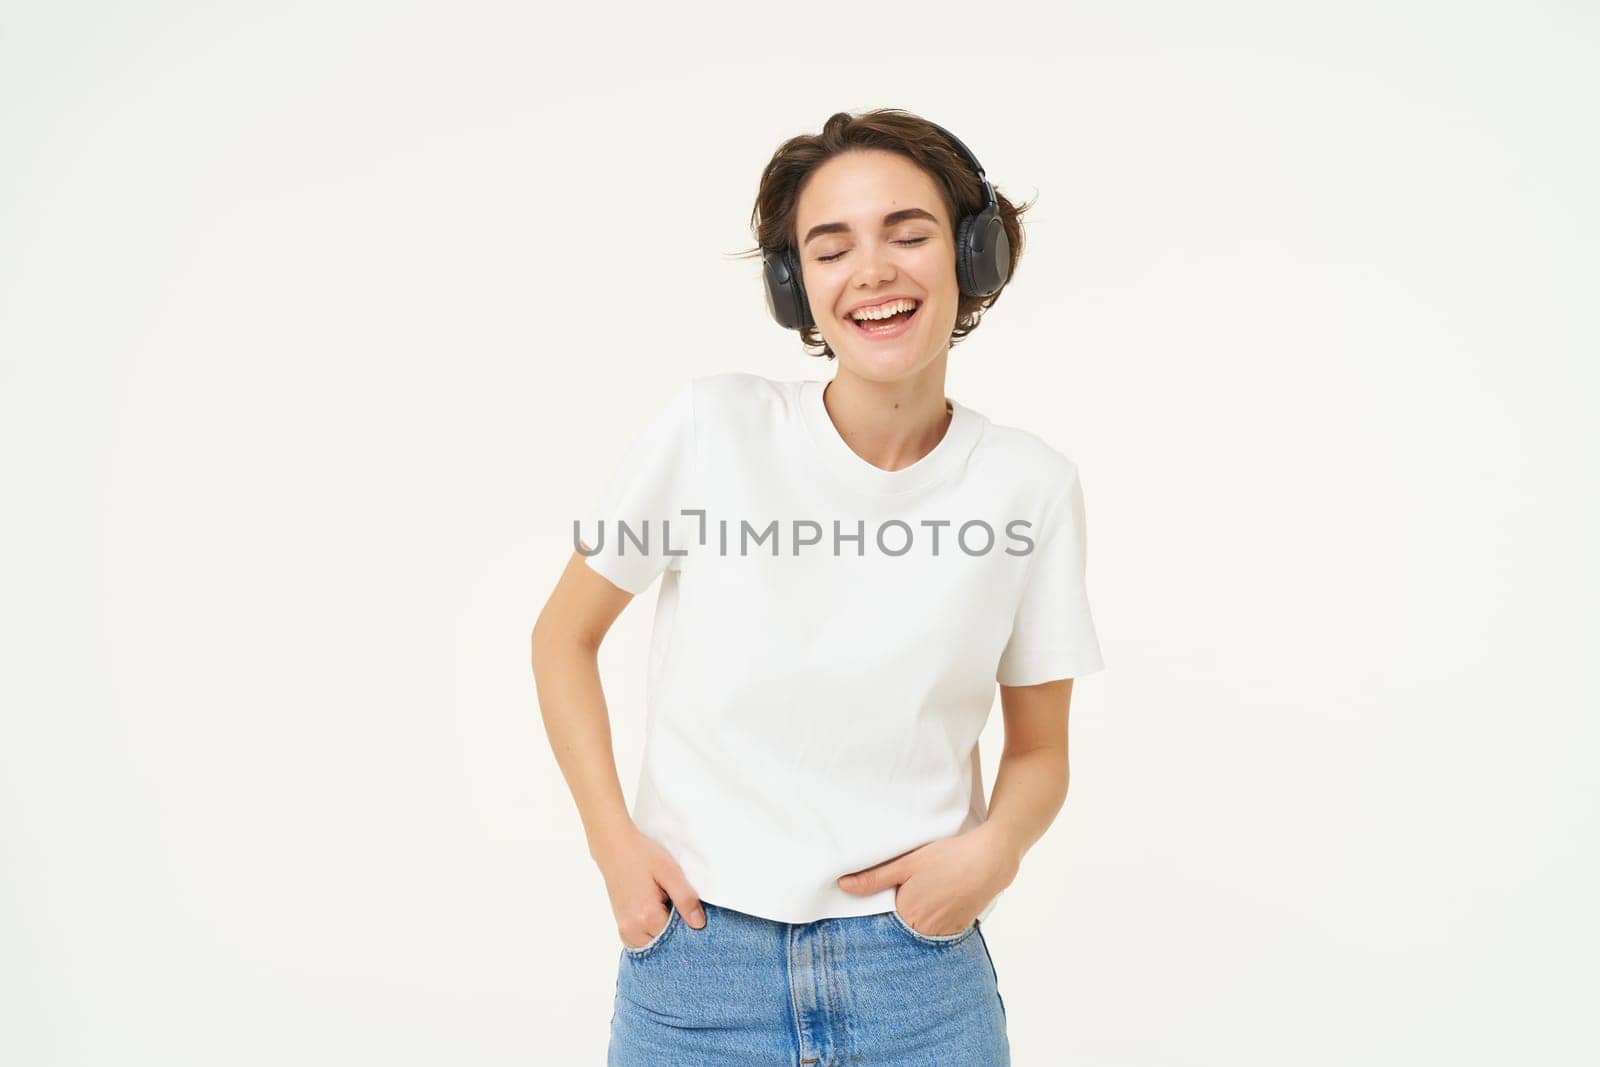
{"points": [[772, 220]]}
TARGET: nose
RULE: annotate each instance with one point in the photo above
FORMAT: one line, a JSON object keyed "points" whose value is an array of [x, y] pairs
{"points": [[873, 266]]}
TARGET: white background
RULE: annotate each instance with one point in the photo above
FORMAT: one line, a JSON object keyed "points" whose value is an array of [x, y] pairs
{"points": [[319, 323]]}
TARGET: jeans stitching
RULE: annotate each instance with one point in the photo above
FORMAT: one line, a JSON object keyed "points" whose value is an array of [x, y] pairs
{"points": [[928, 939], [655, 942]]}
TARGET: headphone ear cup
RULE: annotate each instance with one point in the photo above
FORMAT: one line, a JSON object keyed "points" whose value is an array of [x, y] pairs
{"points": [[786, 297], [802, 302], [964, 277], [983, 254], [996, 259]]}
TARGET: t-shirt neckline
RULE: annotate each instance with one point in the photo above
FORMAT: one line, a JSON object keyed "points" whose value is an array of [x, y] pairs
{"points": [[842, 460]]}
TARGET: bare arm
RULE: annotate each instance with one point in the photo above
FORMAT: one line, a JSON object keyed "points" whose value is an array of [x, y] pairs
{"points": [[1030, 785], [566, 671], [566, 645]]}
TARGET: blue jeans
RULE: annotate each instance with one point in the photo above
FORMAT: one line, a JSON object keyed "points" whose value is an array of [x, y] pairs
{"points": [[752, 992]]}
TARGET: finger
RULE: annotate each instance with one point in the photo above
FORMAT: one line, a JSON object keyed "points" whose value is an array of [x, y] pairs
{"points": [[688, 901], [649, 920], [872, 879]]}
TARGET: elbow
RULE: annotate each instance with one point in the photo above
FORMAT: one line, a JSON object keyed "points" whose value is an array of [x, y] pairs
{"points": [[549, 640], [541, 641]]}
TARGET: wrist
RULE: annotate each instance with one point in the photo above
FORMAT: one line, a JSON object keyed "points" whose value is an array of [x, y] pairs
{"points": [[1004, 847], [607, 838]]}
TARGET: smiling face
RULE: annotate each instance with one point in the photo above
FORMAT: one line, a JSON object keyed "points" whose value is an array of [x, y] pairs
{"points": [[873, 232]]}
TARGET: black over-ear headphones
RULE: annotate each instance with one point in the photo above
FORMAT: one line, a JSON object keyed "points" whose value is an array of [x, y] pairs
{"points": [[983, 256]]}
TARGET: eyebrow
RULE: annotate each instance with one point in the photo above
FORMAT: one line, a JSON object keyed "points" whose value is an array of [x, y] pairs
{"points": [[888, 220]]}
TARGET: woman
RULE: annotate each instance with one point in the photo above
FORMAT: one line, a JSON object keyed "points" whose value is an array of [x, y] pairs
{"points": [[847, 570]]}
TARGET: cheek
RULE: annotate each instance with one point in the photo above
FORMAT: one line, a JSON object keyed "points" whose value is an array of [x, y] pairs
{"points": [[935, 268], [822, 280]]}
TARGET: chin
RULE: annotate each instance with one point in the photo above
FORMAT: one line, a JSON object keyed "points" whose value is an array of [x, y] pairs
{"points": [[884, 365]]}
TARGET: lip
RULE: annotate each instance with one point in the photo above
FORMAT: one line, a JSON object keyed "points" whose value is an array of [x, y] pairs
{"points": [[886, 335], [881, 300]]}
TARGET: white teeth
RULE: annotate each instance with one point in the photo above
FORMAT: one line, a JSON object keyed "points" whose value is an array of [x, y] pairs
{"points": [[883, 311]]}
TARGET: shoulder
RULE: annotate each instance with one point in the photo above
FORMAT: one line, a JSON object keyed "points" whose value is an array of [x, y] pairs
{"points": [[1028, 458], [733, 387], [741, 399], [709, 398]]}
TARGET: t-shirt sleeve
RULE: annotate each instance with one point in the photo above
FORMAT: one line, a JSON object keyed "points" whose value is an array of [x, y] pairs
{"points": [[1053, 633], [637, 516]]}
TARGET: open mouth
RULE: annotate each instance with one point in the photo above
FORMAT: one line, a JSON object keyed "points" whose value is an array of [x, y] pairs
{"points": [[891, 325]]}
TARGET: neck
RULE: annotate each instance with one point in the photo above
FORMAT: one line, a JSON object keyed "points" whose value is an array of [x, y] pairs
{"points": [[890, 424]]}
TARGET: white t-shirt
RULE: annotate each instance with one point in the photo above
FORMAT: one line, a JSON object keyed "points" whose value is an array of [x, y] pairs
{"points": [[828, 634]]}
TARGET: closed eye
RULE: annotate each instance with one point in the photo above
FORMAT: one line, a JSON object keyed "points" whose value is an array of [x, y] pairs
{"points": [[836, 255]]}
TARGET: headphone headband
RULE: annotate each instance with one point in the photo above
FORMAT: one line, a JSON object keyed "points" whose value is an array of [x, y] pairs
{"points": [[988, 190]]}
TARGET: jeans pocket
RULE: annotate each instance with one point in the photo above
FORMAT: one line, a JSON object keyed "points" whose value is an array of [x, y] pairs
{"points": [[655, 942], [943, 940]]}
